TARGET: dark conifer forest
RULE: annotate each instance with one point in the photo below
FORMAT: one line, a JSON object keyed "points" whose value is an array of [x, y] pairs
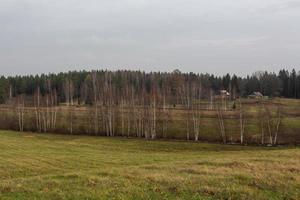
{"points": [[283, 84]]}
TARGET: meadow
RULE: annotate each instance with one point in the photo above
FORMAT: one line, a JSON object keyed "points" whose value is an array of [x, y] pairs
{"points": [[52, 166], [170, 124]]}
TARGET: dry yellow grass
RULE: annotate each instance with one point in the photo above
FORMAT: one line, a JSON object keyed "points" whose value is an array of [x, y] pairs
{"points": [[34, 166]]}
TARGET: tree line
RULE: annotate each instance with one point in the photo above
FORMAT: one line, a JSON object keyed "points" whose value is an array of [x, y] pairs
{"points": [[284, 84], [140, 104]]}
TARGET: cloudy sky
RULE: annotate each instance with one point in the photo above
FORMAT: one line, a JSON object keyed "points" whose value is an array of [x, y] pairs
{"points": [[215, 36]]}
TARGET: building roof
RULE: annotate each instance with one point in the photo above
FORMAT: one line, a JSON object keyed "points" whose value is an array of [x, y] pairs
{"points": [[257, 94]]}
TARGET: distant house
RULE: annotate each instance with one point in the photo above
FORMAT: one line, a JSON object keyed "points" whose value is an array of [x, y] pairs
{"points": [[256, 95], [224, 93]]}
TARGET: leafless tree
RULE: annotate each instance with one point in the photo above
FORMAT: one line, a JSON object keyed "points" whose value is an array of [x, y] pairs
{"points": [[69, 94], [278, 124], [261, 119], [242, 122], [211, 100], [273, 125], [221, 124], [154, 104], [21, 112], [95, 95], [37, 103], [196, 107]]}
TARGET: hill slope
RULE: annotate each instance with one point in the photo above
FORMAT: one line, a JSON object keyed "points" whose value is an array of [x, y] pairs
{"points": [[45, 166]]}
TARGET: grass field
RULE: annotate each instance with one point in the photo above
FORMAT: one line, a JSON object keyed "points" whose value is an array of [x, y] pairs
{"points": [[45, 166], [175, 127]]}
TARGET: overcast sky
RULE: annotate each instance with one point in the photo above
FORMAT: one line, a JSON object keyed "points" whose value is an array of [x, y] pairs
{"points": [[215, 36]]}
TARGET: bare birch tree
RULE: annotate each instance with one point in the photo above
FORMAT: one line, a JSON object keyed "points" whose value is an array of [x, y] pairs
{"points": [[21, 112], [242, 121], [196, 109], [273, 125], [95, 95], [69, 94], [37, 103], [221, 124]]}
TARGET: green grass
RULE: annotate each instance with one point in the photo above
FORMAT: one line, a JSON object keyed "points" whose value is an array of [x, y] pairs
{"points": [[45, 166]]}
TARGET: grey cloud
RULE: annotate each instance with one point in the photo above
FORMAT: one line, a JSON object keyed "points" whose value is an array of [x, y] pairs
{"points": [[194, 35]]}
